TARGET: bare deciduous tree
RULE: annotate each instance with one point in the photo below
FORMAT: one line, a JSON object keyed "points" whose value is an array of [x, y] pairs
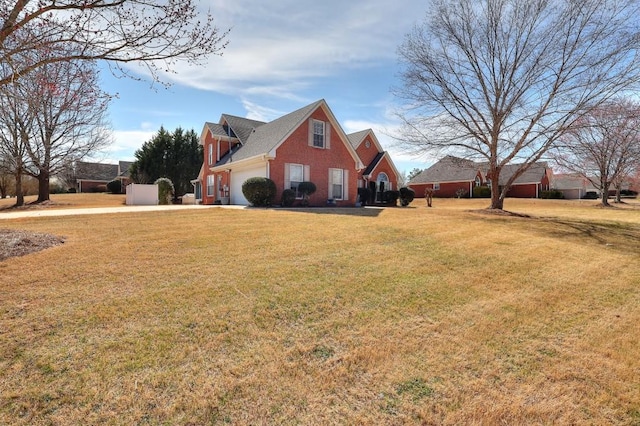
{"points": [[154, 33], [68, 109], [502, 80], [15, 118], [52, 115], [603, 146]]}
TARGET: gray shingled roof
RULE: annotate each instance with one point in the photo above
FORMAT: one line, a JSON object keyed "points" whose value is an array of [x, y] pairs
{"points": [[449, 169], [263, 138], [357, 137], [96, 171], [124, 167], [216, 129], [534, 173], [453, 169], [241, 127]]}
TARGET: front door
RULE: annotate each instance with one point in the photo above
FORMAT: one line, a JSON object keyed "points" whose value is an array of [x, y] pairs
{"points": [[382, 184]]}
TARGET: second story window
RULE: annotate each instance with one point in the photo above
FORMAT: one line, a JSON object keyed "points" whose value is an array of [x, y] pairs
{"points": [[318, 134]]}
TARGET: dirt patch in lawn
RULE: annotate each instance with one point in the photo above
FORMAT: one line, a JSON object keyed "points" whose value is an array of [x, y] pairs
{"points": [[20, 243]]}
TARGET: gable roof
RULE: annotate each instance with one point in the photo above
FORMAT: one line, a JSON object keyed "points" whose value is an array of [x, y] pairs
{"points": [[373, 164], [449, 169], [355, 139], [123, 168], [240, 127], [262, 139], [95, 171], [533, 174], [568, 181]]}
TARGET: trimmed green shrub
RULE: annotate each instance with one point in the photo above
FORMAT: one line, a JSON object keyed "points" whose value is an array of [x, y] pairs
{"points": [[364, 194], [628, 193], [98, 188], [115, 186], [165, 190], [288, 198], [391, 197], [259, 191], [481, 192], [552, 194], [406, 196], [306, 189]]}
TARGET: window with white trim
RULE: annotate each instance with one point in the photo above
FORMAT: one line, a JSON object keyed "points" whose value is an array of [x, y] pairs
{"points": [[210, 154], [318, 134], [436, 186], [336, 184], [296, 175], [210, 185]]}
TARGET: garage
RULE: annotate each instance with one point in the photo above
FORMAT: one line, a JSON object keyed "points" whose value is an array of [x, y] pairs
{"points": [[238, 177]]}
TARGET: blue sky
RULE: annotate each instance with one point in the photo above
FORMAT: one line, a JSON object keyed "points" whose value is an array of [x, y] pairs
{"points": [[280, 57]]}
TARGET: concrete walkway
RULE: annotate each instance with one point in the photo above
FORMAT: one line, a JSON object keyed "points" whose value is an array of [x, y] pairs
{"points": [[49, 212]]}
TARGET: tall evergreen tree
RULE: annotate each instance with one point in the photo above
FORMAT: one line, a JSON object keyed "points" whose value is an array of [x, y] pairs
{"points": [[176, 156]]}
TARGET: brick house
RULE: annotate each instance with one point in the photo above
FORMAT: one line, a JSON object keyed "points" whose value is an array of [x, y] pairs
{"points": [[379, 174], [452, 177], [448, 178], [305, 145], [91, 177]]}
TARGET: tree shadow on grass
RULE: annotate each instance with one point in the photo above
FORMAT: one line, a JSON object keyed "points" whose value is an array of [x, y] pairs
{"points": [[343, 211], [622, 237], [619, 236]]}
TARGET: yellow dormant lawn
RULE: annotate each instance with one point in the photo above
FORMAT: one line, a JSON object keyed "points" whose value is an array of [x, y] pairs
{"points": [[66, 201], [360, 316]]}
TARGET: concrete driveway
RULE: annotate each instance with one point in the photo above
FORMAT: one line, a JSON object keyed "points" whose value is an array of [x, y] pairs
{"points": [[105, 210]]}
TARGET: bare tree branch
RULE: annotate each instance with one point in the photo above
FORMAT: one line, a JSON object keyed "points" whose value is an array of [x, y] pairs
{"points": [[502, 80], [603, 146], [153, 33]]}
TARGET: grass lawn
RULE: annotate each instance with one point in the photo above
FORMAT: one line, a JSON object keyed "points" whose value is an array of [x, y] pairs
{"points": [[67, 201], [326, 316]]}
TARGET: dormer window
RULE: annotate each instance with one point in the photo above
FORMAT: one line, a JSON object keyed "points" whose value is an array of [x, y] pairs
{"points": [[318, 134]]}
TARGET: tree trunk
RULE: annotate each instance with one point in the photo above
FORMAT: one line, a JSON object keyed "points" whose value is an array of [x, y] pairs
{"points": [[43, 186], [497, 202], [618, 194], [605, 196], [19, 193]]}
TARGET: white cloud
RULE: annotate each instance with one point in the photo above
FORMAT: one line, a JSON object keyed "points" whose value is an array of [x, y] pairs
{"points": [[125, 143], [276, 48]]}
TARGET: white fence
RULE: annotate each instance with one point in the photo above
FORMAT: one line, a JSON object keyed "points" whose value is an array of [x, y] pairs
{"points": [[142, 195]]}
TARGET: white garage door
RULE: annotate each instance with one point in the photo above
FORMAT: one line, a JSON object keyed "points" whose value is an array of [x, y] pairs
{"points": [[237, 179]]}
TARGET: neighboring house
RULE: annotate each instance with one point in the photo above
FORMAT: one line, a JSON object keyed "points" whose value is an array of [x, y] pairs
{"points": [[449, 177], [90, 176], [531, 183], [305, 145], [379, 174], [572, 185], [123, 173], [456, 177]]}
